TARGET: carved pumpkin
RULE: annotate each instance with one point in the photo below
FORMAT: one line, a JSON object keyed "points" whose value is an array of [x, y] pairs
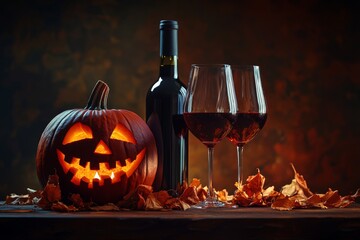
{"points": [[100, 153]]}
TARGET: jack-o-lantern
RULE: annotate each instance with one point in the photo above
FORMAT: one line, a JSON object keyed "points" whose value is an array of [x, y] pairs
{"points": [[101, 153]]}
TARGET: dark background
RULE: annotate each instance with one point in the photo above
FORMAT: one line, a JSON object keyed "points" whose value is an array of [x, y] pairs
{"points": [[53, 52]]}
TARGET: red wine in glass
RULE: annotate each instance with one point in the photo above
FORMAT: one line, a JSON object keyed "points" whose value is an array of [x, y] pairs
{"points": [[245, 127], [208, 110], [251, 111], [209, 128]]}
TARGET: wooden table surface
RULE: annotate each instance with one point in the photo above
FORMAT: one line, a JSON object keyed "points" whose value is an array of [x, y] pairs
{"points": [[30, 222]]}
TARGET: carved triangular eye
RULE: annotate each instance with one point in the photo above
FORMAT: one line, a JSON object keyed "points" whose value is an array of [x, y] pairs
{"points": [[123, 134], [77, 132]]}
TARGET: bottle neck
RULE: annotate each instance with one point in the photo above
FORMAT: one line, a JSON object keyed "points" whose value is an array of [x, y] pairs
{"points": [[169, 67], [168, 50]]}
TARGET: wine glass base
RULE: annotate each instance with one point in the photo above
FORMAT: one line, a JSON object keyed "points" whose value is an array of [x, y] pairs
{"points": [[209, 203]]}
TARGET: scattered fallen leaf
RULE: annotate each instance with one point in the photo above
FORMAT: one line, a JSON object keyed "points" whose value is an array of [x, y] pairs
{"points": [[190, 196], [51, 193], [315, 200], [176, 204], [224, 196], [290, 189], [62, 207], [283, 203], [202, 193], [252, 193], [181, 188], [162, 196], [303, 188], [195, 183], [297, 194], [152, 203], [77, 201], [32, 197], [136, 199]]}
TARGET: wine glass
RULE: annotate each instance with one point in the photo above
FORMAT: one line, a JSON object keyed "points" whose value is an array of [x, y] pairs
{"points": [[209, 107], [251, 114]]}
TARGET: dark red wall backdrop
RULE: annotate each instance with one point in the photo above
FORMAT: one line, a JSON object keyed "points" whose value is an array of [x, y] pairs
{"points": [[52, 53]]}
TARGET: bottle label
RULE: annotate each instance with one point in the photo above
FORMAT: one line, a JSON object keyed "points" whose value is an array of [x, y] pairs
{"points": [[168, 60]]}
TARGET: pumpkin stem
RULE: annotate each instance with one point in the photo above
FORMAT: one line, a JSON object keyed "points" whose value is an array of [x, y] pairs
{"points": [[99, 96]]}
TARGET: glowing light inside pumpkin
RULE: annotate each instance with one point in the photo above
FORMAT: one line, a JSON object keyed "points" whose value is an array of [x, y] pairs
{"points": [[97, 176], [87, 175], [123, 134], [102, 148], [77, 132]]}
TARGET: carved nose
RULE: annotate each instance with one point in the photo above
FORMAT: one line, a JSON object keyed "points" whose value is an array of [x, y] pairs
{"points": [[102, 148]]}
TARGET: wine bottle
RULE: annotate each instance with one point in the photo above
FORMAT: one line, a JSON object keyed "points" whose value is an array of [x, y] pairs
{"points": [[164, 113]]}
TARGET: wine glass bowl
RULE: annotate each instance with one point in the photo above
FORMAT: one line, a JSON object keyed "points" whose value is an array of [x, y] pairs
{"points": [[251, 111], [209, 106], [246, 126]]}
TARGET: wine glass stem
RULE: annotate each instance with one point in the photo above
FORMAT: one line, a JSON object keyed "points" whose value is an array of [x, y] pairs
{"points": [[210, 172], [240, 150]]}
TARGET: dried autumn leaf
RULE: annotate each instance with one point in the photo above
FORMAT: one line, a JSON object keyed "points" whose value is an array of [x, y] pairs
{"points": [[200, 191], [176, 204], [252, 193], [315, 201], [44, 204], [181, 188], [15, 199], [238, 185], [300, 195], [224, 196], [300, 200], [170, 202], [195, 183], [52, 192], [162, 196], [136, 199], [283, 203], [355, 195], [32, 197], [294, 195], [202, 194], [254, 184], [242, 199], [290, 189], [269, 195], [302, 183], [257, 200], [183, 205], [190, 196], [297, 192], [347, 200], [61, 207], [77, 201], [152, 203], [332, 199]]}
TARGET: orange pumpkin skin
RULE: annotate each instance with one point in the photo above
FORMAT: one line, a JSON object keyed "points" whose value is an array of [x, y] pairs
{"points": [[100, 153]]}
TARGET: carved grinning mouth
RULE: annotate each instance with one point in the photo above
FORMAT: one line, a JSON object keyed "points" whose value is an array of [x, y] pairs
{"points": [[104, 173]]}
